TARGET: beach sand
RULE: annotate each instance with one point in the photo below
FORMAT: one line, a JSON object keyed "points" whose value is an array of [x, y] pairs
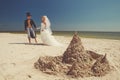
{"points": [[17, 57]]}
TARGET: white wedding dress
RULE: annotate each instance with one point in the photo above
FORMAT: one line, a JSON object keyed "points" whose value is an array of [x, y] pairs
{"points": [[47, 37]]}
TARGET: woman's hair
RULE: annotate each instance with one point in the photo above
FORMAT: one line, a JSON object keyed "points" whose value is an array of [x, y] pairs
{"points": [[47, 23]]}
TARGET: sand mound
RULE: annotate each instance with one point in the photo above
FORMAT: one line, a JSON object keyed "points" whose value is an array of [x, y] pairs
{"points": [[101, 66], [76, 62]]}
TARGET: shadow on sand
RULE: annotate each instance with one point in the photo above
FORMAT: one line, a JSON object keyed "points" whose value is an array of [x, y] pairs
{"points": [[29, 43]]}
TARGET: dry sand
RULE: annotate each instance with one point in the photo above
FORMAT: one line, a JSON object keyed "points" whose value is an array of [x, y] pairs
{"points": [[17, 57]]}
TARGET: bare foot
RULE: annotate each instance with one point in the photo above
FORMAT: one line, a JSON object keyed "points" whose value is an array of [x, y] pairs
{"points": [[35, 40]]}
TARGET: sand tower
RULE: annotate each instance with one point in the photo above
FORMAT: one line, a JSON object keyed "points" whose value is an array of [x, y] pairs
{"points": [[75, 62]]}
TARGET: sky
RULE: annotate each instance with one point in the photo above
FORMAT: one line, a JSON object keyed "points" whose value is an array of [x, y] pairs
{"points": [[65, 15]]}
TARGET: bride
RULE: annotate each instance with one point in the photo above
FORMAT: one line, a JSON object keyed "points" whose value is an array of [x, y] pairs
{"points": [[46, 33]]}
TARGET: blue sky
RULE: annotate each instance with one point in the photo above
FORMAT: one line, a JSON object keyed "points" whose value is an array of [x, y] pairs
{"points": [[72, 15]]}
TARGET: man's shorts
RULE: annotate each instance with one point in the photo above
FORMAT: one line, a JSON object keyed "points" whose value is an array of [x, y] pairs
{"points": [[31, 33]]}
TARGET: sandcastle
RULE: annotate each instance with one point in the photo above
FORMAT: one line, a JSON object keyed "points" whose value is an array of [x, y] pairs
{"points": [[75, 62]]}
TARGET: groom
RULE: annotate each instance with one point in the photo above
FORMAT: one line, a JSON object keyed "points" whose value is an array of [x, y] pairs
{"points": [[30, 27]]}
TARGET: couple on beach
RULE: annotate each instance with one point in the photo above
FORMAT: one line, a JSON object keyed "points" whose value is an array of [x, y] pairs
{"points": [[45, 30]]}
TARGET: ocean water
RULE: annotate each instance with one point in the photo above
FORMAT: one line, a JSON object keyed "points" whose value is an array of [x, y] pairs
{"points": [[88, 34]]}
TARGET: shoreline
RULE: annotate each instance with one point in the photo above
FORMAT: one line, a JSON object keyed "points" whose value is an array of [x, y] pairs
{"points": [[94, 35]]}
